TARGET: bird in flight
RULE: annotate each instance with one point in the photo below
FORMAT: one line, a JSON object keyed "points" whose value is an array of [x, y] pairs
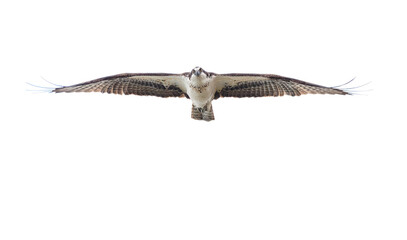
{"points": [[201, 87]]}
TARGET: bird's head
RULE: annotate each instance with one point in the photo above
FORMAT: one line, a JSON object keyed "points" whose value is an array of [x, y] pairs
{"points": [[198, 72]]}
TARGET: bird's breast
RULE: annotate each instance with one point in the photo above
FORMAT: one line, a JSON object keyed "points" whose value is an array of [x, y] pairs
{"points": [[201, 94]]}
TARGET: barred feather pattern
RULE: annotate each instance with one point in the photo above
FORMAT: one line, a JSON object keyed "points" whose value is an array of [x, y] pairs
{"points": [[205, 113], [274, 86], [124, 84]]}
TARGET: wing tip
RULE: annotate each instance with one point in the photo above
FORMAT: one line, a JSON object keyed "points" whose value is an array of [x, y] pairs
{"points": [[355, 90], [59, 90], [38, 88]]}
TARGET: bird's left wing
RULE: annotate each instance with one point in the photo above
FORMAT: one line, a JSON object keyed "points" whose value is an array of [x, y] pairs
{"points": [[153, 84], [260, 85]]}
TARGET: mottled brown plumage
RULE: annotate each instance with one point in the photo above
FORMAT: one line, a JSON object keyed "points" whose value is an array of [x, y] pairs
{"points": [[137, 84], [201, 86]]}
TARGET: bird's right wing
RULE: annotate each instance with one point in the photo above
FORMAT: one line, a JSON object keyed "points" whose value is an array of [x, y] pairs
{"points": [[153, 84]]}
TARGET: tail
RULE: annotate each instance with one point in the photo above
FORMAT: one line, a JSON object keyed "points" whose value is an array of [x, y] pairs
{"points": [[205, 113]]}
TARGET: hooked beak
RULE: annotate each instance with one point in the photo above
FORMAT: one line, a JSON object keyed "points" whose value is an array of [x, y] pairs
{"points": [[197, 73]]}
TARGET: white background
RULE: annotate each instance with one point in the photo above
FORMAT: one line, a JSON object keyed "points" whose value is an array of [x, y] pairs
{"points": [[98, 166]]}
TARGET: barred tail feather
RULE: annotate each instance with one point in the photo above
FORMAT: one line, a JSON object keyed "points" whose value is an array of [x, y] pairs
{"points": [[195, 113], [205, 113]]}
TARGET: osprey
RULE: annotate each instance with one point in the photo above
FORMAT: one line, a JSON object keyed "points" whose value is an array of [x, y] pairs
{"points": [[201, 87]]}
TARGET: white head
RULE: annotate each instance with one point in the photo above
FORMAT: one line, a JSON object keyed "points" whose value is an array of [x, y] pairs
{"points": [[198, 72]]}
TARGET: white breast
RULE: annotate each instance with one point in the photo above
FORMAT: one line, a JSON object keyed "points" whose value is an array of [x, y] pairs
{"points": [[201, 90]]}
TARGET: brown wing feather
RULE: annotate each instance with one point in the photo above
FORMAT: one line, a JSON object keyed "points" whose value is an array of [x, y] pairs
{"points": [[154, 84], [258, 85]]}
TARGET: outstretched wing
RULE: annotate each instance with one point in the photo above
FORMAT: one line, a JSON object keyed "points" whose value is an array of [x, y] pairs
{"points": [[153, 84], [259, 85]]}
